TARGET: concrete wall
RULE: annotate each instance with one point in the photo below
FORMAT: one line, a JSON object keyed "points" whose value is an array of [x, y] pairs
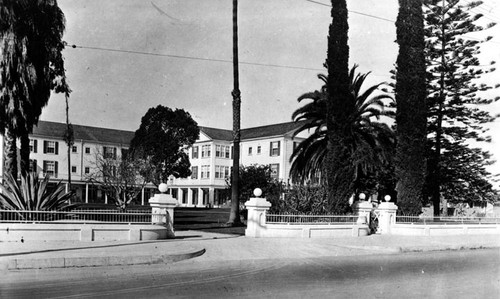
{"points": [[444, 229], [312, 231], [80, 232]]}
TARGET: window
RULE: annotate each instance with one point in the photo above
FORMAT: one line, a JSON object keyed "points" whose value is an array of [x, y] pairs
{"points": [[275, 171], [33, 145], [109, 152], [74, 149], [87, 170], [250, 151], [226, 149], [218, 174], [73, 169], [50, 147], [226, 172], [50, 168], [259, 150], [87, 150], [274, 149], [205, 171], [195, 152], [205, 151], [33, 165], [218, 152], [194, 172]]}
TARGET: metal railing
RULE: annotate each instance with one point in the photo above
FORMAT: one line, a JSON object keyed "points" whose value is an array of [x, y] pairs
{"points": [[78, 216], [438, 220], [310, 219]]}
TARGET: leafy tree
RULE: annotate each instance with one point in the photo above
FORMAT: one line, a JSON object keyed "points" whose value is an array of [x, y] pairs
{"points": [[370, 143], [411, 118], [340, 172], [119, 177], [162, 142], [234, 218], [31, 65], [453, 97]]}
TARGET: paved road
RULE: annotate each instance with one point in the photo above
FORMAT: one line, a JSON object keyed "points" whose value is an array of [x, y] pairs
{"points": [[446, 274]]}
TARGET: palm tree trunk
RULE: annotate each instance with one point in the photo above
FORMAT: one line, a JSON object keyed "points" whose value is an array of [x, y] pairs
{"points": [[234, 215], [25, 154], [10, 153]]}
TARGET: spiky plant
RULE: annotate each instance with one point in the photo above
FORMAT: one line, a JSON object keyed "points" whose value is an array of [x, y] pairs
{"points": [[32, 194]]}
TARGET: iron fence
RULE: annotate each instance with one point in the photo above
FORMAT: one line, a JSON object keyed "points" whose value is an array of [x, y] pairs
{"points": [[429, 220], [78, 216], [310, 219]]}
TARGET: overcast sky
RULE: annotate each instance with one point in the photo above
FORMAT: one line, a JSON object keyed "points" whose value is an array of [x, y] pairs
{"points": [[186, 48]]}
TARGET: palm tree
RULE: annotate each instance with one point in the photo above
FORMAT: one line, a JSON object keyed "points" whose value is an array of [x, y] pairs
{"points": [[371, 142], [31, 65], [234, 215]]}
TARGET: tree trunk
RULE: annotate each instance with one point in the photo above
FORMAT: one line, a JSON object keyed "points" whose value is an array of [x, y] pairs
{"points": [[411, 113], [25, 154], [10, 153], [340, 172], [234, 215]]}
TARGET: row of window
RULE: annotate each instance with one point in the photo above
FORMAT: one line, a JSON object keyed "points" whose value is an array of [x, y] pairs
{"points": [[226, 151], [224, 172], [52, 147], [52, 167]]}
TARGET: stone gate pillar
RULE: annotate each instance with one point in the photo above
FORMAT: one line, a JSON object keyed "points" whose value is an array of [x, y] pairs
{"points": [[257, 209], [163, 209], [387, 215], [363, 209]]}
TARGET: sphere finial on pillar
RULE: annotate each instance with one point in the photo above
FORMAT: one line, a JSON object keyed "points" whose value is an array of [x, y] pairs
{"points": [[163, 188], [257, 192], [387, 198]]}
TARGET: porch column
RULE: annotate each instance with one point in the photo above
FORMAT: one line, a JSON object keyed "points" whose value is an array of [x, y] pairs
{"points": [[190, 197], [200, 197], [87, 193], [142, 196], [180, 196], [211, 197]]}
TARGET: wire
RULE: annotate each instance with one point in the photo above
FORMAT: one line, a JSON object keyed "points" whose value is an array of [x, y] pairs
{"points": [[388, 20], [193, 57], [200, 58], [355, 12]]}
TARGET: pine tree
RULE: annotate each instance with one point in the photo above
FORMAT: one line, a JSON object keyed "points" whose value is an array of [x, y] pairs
{"points": [[452, 98]]}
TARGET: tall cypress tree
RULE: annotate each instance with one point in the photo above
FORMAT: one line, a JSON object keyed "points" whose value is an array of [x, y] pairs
{"points": [[411, 107], [452, 97], [340, 172]]}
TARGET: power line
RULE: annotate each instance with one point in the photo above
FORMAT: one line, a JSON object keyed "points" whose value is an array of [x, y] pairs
{"points": [[388, 20], [201, 58], [355, 12], [194, 58]]}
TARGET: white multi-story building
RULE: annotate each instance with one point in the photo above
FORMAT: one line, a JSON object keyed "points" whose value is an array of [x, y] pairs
{"points": [[210, 157]]}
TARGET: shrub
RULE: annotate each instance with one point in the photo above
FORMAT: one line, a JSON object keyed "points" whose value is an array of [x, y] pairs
{"points": [[32, 194], [301, 199]]}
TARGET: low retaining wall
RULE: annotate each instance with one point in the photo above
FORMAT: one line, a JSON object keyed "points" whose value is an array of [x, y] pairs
{"points": [[81, 232], [441, 229], [313, 231]]}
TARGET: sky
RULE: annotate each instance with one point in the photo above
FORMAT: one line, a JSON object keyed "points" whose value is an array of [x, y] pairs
{"points": [[132, 55]]}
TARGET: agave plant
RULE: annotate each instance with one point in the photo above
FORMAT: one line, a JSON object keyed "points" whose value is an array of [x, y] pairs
{"points": [[32, 194]]}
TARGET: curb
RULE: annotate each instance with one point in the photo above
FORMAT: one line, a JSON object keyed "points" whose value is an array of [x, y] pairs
{"points": [[447, 248], [98, 261]]}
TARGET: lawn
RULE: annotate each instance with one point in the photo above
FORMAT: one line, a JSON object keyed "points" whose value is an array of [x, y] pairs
{"points": [[210, 220]]}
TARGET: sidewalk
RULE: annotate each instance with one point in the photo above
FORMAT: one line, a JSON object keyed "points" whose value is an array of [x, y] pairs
{"points": [[205, 246]]}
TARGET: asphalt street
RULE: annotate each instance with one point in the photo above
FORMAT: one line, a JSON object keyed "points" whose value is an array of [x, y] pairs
{"points": [[443, 274]]}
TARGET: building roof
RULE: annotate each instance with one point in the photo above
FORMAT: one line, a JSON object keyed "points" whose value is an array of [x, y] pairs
{"points": [[253, 133], [85, 133], [104, 135]]}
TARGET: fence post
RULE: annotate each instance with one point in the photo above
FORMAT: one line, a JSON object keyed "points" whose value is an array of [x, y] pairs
{"points": [[163, 209], [257, 209], [387, 216]]}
